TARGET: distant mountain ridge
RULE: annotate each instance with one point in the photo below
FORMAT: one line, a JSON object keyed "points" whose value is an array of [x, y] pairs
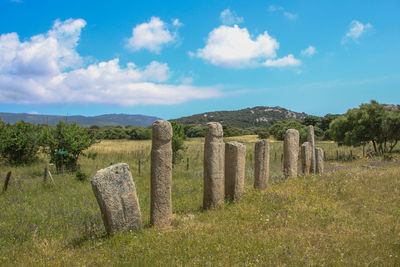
{"points": [[101, 120], [244, 118]]}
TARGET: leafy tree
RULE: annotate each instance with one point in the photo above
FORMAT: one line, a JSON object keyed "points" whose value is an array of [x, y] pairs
{"points": [[178, 139], [194, 130], [278, 130], [139, 133], [369, 123], [66, 137], [263, 134], [19, 142]]}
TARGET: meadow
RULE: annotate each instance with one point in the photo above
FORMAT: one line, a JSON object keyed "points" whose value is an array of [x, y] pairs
{"points": [[347, 217]]}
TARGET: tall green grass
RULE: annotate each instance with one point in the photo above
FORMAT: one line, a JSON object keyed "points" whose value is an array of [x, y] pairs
{"points": [[349, 217]]}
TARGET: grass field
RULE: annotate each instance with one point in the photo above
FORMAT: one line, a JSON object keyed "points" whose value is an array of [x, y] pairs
{"points": [[347, 217]]}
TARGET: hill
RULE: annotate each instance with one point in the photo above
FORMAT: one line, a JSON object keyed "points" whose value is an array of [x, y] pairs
{"points": [[101, 120], [244, 118]]}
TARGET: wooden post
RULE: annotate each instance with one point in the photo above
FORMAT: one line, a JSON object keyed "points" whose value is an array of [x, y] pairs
{"points": [[281, 157], [187, 164], [275, 156], [51, 177], [363, 150], [140, 167], [351, 154], [337, 155], [6, 181], [46, 170]]}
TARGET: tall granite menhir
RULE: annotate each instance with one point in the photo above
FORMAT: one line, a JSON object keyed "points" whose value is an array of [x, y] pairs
{"points": [[311, 140], [161, 174], [261, 164], [235, 164], [116, 195], [306, 155], [319, 160], [290, 153], [214, 154]]}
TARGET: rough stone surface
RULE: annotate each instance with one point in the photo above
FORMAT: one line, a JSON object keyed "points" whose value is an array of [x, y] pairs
{"points": [[306, 155], [311, 140], [214, 154], [235, 164], [116, 194], [261, 164], [319, 160], [161, 174], [290, 153]]}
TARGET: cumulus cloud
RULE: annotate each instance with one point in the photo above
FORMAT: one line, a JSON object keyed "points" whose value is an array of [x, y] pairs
{"points": [[47, 69], [153, 35], [289, 60], [309, 51], [233, 47], [229, 17], [356, 30]]}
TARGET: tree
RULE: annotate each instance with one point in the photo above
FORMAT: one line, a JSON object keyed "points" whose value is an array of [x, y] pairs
{"points": [[368, 123], [19, 142], [278, 130], [69, 138], [178, 138]]}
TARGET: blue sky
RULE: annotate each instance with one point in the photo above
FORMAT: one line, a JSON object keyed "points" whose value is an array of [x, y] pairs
{"points": [[177, 58]]}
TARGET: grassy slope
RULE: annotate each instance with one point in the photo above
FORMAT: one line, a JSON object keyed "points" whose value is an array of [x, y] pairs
{"points": [[349, 217]]}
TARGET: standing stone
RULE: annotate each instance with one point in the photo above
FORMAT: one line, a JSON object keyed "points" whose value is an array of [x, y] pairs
{"points": [[311, 140], [306, 155], [161, 174], [319, 158], [235, 164], [116, 194], [261, 164], [290, 153], [214, 154]]}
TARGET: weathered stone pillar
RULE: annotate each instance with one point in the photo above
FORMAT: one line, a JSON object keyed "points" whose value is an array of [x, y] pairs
{"points": [[306, 155], [235, 164], [290, 153], [319, 160], [311, 140], [261, 164], [214, 154], [161, 174], [115, 192]]}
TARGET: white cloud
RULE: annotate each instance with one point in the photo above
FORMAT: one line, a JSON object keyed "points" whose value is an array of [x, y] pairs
{"points": [[47, 69], [233, 47], [273, 8], [288, 61], [309, 51], [229, 17], [356, 30], [43, 54], [289, 15], [152, 35]]}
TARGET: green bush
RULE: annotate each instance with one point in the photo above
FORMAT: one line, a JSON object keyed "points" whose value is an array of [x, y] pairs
{"points": [[178, 138], [19, 142], [70, 138], [81, 176], [263, 135]]}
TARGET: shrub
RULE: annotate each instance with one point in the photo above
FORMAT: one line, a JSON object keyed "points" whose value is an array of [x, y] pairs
{"points": [[178, 138], [19, 142], [70, 138], [81, 176]]}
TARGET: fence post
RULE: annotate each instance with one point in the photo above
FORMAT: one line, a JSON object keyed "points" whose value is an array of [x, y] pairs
{"points": [[187, 164], [337, 155], [351, 154], [7, 181], [46, 170], [139, 167]]}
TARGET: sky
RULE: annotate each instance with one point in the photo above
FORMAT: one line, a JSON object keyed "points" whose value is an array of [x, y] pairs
{"points": [[178, 58]]}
